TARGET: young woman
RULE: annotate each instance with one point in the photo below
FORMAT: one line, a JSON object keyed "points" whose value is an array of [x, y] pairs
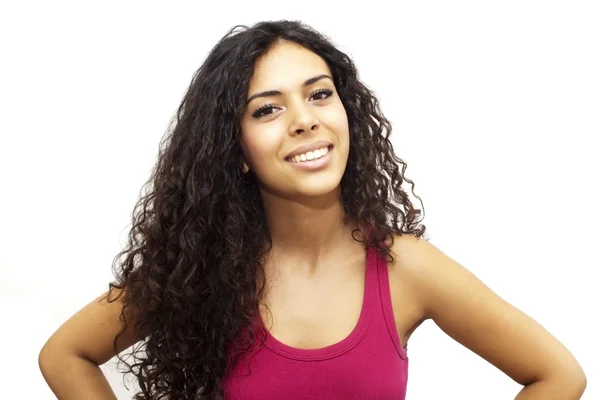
{"points": [[276, 256]]}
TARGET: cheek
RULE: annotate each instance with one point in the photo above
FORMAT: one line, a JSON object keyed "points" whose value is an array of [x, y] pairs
{"points": [[337, 122], [261, 146]]}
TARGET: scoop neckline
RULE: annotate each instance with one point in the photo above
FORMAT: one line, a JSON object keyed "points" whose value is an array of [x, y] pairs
{"points": [[340, 347]]}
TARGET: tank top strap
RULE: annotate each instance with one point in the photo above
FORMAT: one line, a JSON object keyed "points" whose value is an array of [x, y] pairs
{"points": [[372, 290], [382, 301]]}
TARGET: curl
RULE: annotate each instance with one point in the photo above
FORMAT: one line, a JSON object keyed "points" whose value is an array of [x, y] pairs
{"points": [[193, 258]]}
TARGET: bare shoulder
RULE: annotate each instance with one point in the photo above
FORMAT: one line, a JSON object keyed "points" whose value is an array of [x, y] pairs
{"points": [[406, 273], [467, 310]]}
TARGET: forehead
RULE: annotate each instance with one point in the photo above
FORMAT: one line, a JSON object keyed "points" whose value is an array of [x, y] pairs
{"points": [[285, 66]]}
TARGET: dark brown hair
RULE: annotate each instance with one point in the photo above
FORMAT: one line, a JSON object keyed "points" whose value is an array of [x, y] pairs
{"points": [[198, 231]]}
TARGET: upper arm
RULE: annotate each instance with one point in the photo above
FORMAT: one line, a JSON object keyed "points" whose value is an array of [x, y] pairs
{"points": [[90, 332], [472, 314]]}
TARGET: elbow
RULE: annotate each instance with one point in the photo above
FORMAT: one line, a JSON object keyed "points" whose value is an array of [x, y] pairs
{"points": [[45, 357], [572, 382], [581, 383], [49, 355], [577, 379]]}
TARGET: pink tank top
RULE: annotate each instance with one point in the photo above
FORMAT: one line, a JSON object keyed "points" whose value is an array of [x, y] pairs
{"points": [[370, 363]]}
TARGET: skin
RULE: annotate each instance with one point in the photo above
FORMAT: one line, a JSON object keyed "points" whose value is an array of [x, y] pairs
{"points": [[303, 209], [315, 270], [304, 270]]}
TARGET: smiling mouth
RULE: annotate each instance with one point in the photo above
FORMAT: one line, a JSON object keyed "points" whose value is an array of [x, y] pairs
{"points": [[310, 155]]}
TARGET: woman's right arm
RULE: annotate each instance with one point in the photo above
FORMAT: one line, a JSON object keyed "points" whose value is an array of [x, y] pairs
{"points": [[70, 359]]}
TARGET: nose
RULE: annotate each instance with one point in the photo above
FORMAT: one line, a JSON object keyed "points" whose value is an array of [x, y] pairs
{"points": [[303, 120]]}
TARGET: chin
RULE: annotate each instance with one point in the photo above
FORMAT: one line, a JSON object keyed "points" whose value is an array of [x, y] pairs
{"points": [[316, 186], [297, 185]]}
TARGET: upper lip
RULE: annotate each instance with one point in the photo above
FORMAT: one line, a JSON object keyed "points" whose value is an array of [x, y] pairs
{"points": [[309, 147]]}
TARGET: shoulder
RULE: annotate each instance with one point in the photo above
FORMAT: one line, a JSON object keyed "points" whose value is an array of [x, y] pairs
{"points": [[424, 270], [411, 253], [413, 262]]}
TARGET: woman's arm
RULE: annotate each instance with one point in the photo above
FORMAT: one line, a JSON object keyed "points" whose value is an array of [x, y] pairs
{"points": [[472, 314], [70, 359]]}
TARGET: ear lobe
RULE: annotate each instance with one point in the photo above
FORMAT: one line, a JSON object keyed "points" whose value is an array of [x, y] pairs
{"points": [[245, 167]]}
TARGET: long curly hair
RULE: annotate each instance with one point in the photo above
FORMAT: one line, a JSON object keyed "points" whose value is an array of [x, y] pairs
{"points": [[198, 234]]}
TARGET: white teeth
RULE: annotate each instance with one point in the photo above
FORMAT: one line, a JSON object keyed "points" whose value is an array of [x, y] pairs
{"points": [[311, 155]]}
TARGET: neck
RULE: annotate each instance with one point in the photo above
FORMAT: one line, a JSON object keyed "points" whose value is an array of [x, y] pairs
{"points": [[307, 232]]}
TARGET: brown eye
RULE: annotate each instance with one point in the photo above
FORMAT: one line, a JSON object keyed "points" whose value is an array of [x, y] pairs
{"points": [[267, 109], [321, 94]]}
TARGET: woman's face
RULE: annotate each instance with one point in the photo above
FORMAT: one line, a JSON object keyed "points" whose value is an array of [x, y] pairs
{"points": [[292, 104]]}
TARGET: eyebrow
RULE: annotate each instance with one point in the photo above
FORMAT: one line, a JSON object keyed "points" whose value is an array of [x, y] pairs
{"points": [[277, 92]]}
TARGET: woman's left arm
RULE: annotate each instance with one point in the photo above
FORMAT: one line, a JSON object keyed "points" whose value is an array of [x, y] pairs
{"points": [[472, 314]]}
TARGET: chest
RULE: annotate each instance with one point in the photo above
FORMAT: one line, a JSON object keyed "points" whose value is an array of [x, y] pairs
{"points": [[307, 313], [313, 313]]}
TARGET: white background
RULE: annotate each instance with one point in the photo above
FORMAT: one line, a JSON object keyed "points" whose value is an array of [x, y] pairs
{"points": [[495, 107]]}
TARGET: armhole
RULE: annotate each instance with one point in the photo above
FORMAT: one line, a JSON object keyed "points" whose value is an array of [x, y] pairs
{"points": [[388, 310]]}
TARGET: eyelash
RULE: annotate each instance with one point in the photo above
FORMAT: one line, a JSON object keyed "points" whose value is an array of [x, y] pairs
{"points": [[259, 113]]}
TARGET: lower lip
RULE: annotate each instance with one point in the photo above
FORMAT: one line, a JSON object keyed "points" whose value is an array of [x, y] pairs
{"points": [[313, 165]]}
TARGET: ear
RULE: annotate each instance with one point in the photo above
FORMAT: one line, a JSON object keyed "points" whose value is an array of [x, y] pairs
{"points": [[245, 166]]}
